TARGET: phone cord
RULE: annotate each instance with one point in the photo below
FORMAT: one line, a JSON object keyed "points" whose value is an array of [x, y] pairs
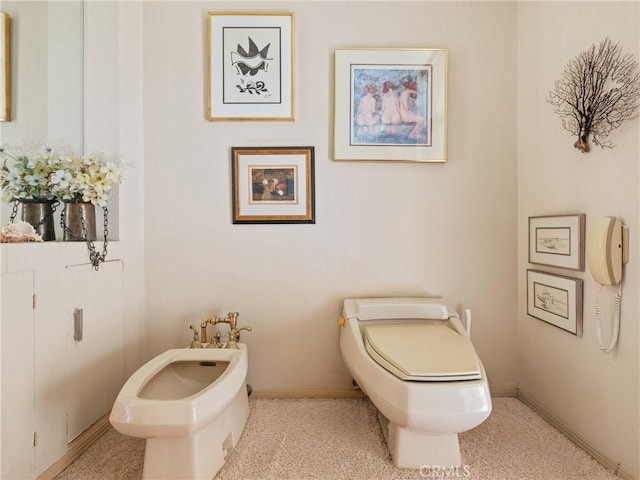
{"points": [[617, 307]]}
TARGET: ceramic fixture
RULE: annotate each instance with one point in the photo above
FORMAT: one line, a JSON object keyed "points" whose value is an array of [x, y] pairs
{"points": [[191, 406], [415, 361]]}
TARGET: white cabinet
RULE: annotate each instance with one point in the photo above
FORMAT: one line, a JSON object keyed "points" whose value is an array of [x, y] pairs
{"points": [[54, 387], [18, 373]]}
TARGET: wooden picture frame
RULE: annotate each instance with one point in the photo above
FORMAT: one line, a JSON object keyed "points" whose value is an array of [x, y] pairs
{"points": [[390, 104], [250, 66], [557, 241], [273, 184], [555, 299]]}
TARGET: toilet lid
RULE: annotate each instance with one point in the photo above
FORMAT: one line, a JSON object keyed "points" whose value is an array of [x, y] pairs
{"points": [[422, 352]]}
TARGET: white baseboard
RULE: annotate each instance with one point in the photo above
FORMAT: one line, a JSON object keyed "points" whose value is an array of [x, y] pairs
{"points": [[77, 447], [621, 470]]}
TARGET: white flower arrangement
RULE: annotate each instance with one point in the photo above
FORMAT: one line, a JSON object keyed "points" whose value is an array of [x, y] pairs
{"points": [[46, 172], [26, 172], [89, 178]]}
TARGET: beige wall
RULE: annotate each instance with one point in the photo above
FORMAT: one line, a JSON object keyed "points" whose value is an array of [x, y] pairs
{"points": [[594, 394], [382, 228]]}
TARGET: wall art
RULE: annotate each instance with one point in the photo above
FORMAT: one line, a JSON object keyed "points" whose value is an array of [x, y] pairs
{"points": [[555, 299], [273, 184], [250, 68], [5, 68], [557, 241], [598, 91], [390, 104]]}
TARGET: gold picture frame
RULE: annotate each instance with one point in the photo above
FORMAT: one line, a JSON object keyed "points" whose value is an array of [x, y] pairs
{"points": [[390, 104], [250, 66], [5, 65], [273, 184]]}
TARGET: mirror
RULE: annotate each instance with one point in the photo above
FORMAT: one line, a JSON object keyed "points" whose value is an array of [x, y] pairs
{"points": [[47, 75]]}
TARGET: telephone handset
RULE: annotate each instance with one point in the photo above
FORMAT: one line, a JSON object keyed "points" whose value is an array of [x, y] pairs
{"points": [[606, 254]]}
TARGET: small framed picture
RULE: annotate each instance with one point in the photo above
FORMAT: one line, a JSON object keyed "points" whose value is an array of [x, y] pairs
{"points": [[250, 66], [273, 184], [555, 299], [557, 241], [391, 104]]}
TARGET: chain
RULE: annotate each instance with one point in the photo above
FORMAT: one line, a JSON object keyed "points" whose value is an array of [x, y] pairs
{"points": [[94, 256], [14, 210]]}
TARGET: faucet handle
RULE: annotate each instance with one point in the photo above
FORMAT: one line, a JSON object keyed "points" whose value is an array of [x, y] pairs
{"points": [[236, 333], [196, 338]]}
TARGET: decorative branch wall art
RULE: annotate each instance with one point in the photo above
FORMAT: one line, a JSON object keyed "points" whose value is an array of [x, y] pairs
{"points": [[598, 91]]}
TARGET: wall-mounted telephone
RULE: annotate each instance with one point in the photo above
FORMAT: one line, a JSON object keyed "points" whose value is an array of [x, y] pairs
{"points": [[606, 254]]}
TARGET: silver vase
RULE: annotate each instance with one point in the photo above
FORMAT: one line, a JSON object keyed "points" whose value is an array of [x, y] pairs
{"points": [[74, 215], [39, 213]]}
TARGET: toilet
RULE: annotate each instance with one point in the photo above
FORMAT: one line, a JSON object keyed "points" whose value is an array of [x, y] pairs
{"points": [[191, 406], [415, 361]]}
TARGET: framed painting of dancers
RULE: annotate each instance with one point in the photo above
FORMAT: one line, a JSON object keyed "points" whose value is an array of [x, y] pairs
{"points": [[390, 104], [250, 66]]}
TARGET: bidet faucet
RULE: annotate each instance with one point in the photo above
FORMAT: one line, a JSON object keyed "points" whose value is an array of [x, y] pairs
{"points": [[234, 336], [231, 319]]}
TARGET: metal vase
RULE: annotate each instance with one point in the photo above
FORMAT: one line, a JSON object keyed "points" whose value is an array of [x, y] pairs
{"points": [[39, 213], [74, 214]]}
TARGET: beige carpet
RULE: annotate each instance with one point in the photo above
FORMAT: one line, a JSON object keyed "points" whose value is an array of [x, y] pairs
{"points": [[340, 439]]}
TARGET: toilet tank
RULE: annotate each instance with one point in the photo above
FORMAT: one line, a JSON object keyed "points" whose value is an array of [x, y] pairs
{"points": [[398, 308]]}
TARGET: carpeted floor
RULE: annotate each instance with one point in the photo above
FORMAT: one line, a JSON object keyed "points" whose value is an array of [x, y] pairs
{"points": [[340, 439]]}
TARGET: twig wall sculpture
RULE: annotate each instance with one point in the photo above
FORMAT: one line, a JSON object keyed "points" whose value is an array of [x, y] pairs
{"points": [[598, 91]]}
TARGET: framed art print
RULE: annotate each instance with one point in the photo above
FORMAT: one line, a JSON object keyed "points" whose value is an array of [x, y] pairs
{"points": [[390, 104], [557, 241], [273, 184], [555, 299], [250, 66]]}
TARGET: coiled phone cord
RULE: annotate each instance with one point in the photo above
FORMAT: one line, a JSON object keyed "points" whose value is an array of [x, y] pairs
{"points": [[617, 307]]}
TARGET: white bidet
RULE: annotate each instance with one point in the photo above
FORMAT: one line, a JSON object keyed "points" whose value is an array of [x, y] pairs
{"points": [[191, 406]]}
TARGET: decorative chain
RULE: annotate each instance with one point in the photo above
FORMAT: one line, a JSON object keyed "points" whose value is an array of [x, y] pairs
{"points": [[14, 212], [94, 256]]}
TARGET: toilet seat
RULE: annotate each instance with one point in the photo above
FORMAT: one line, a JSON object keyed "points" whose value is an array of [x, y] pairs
{"points": [[424, 353]]}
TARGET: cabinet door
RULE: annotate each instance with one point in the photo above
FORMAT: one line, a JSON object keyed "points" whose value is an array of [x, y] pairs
{"points": [[18, 374], [96, 361]]}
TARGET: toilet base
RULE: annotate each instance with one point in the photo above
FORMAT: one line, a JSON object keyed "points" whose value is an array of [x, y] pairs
{"points": [[416, 449], [201, 455]]}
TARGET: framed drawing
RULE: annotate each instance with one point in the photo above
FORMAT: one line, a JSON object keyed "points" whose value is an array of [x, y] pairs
{"points": [[5, 68], [557, 241], [273, 184], [555, 299], [390, 104], [250, 66]]}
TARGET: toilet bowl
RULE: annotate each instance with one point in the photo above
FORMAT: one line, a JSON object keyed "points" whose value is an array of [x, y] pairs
{"points": [[414, 360], [191, 406]]}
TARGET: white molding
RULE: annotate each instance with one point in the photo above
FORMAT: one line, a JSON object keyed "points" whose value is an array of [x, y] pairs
{"points": [[77, 447], [621, 470]]}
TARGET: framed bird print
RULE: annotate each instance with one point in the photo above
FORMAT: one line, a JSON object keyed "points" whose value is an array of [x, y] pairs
{"points": [[250, 66]]}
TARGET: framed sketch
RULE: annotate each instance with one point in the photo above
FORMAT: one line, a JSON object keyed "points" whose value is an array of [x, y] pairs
{"points": [[555, 299], [5, 68], [557, 241], [273, 184], [250, 66], [390, 104]]}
